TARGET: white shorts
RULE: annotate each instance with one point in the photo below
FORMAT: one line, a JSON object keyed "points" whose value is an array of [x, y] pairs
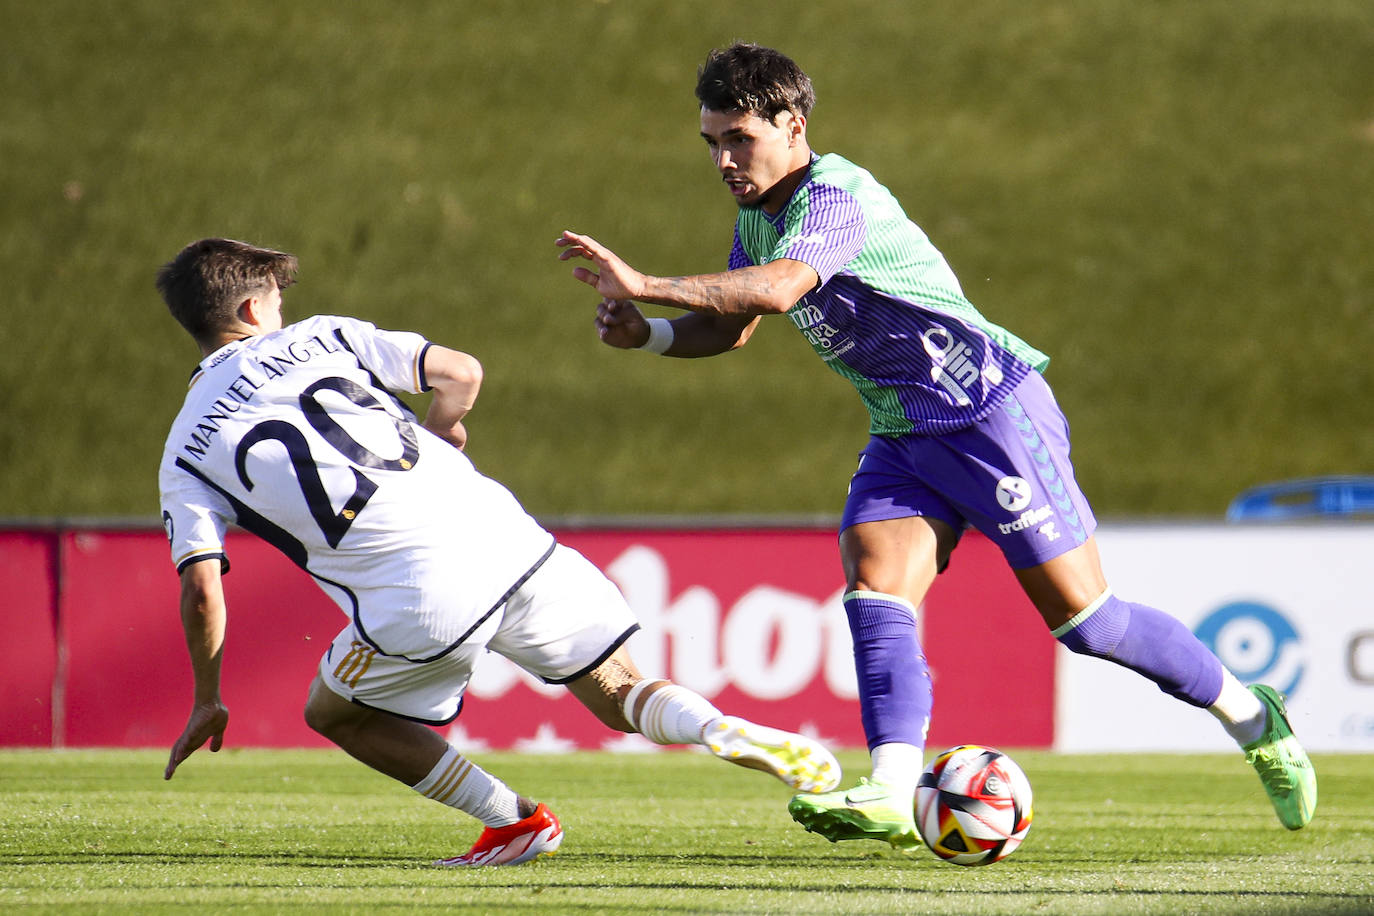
{"points": [[566, 619]]}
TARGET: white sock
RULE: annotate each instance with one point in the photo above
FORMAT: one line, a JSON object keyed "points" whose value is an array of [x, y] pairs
{"points": [[672, 714], [1240, 711], [897, 765], [459, 783]]}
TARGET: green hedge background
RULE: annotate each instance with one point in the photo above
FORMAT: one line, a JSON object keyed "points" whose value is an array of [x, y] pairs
{"points": [[1174, 199]]}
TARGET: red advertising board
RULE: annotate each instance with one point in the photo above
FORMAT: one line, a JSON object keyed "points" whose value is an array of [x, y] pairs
{"points": [[749, 617], [28, 654], [752, 619], [128, 676]]}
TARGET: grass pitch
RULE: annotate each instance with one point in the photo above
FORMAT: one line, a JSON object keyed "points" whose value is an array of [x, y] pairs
{"points": [[272, 831], [1173, 199]]}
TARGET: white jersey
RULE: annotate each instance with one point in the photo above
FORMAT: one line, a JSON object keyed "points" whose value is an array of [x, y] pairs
{"points": [[296, 436]]}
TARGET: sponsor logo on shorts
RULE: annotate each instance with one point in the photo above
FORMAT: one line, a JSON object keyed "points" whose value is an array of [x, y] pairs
{"points": [[1013, 493], [1029, 519]]}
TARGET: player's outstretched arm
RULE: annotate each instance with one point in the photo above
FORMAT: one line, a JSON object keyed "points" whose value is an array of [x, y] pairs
{"points": [[765, 289], [455, 378], [202, 618]]}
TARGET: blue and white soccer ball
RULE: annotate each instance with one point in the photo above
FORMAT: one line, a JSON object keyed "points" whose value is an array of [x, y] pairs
{"points": [[973, 805]]}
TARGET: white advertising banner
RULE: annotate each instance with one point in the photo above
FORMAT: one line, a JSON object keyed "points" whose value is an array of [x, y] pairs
{"points": [[1286, 605]]}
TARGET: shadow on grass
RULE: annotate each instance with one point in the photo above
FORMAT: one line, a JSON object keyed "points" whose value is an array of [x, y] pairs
{"points": [[567, 871]]}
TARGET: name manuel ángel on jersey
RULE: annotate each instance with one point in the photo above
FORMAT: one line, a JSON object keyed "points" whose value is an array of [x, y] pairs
{"points": [[242, 388]]}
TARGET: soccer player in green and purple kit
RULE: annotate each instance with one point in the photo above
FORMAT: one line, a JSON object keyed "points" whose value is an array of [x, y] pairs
{"points": [[964, 432]]}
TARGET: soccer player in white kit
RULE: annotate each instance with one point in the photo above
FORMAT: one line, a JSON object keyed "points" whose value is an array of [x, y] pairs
{"points": [[295, 434]]}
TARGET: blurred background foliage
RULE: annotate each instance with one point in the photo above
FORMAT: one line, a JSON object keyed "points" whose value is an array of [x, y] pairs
{"points": [[1174, 199]]}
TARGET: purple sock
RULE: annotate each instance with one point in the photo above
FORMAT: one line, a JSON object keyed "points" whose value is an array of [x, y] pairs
{"points": [[894, 680], [1151, 643]]}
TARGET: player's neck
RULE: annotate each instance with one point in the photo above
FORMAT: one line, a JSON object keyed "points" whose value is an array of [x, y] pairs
{"points": [[781, 193], [223, 339]]}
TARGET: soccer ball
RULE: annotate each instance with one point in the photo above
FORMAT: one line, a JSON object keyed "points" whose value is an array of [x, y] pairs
{"points": [[973, 805]]}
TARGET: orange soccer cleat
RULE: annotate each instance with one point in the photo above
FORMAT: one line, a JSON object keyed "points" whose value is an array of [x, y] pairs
{"points": [[540, 834]]}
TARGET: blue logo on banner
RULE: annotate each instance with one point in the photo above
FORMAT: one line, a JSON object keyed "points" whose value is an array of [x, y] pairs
{"points": [[1256, 642]]}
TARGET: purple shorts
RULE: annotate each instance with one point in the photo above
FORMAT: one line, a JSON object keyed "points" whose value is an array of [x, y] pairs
{"points": [[1008, 475]]}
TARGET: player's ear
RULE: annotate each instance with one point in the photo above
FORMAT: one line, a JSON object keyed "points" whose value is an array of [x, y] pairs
{"points": [[252, 310], [796, 129]]}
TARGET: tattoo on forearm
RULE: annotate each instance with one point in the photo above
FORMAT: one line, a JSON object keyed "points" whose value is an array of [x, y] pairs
{"points": [[734, 293]]}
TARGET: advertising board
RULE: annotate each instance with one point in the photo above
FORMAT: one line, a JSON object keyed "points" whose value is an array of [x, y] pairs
{"points": [[1289, 606]]}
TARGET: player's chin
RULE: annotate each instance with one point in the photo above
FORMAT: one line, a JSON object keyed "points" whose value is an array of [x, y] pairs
{"points": [[750, 200]]}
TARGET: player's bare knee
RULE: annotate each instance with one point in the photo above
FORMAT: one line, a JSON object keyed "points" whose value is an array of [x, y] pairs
{"points": [[327, 713], [317, 717], [896, 557]]}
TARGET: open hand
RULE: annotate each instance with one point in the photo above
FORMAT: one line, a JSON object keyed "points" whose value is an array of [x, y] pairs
{"points": [[612, 277]]}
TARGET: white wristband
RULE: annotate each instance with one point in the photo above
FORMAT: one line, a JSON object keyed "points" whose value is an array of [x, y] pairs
{"points": [[660, 335]]}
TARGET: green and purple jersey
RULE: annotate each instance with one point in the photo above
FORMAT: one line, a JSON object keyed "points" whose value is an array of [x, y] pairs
{"points": [[888, 313]]}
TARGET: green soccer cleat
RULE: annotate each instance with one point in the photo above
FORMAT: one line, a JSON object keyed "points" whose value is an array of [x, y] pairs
{"points": [[869, 811], [802, 763], [1282, 764]]}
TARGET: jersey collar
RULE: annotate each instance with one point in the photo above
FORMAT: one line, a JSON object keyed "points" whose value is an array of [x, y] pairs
{"points": [[215, 358]]}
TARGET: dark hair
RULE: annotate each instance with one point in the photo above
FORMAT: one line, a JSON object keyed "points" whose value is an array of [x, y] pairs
{"points": [[752, 78], [204, 284]]}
